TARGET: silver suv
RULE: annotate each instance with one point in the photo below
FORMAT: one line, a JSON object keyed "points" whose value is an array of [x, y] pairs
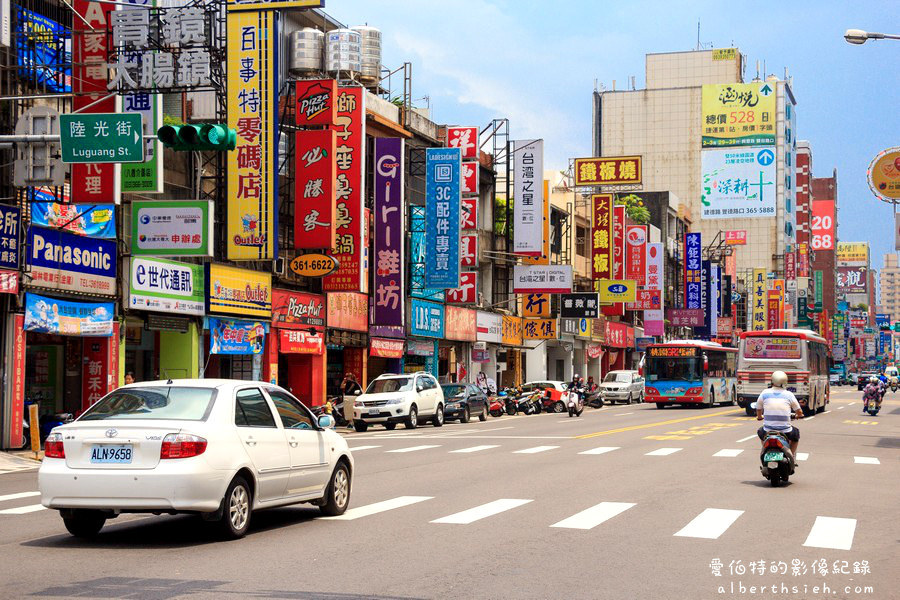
{"points": [[392, 399], [622, 386]]}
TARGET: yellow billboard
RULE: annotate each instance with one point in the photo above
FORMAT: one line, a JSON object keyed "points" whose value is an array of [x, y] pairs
{"points": [[512, 330], [252, 166], [853, 252], [239, 292], [738, 114], [758, 291], [540, 329], [616, 290]]}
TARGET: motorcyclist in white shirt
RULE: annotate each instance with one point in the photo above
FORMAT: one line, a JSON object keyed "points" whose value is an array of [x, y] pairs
{"points": [[774, 407]]}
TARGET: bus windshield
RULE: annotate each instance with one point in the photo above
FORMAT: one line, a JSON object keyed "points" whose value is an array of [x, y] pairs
{"points": [[674, 369]]}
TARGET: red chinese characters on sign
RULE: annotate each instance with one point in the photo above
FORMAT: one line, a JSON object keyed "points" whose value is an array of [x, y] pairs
{"points": [[645, 300], [9, 282], [773, 308], [468, 250], [790, 266], [314, 189], [460, 324], [619, 242], [95, 183], [468, 214], [294, 341], [616, 334], [17, 390], [602, 237], [822, 225], [385, 348], [802, 260], [736, 237], [725, 326], [467, 291], [315, 102], [348, 310], [469, 177], [464, 138], [636, 248], [349, 249]]}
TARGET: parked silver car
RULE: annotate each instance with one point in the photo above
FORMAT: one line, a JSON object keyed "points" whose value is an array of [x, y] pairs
{"points": [[622, 386]]}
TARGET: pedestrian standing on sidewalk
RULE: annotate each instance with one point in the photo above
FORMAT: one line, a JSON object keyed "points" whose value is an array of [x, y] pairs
{"points": [[349, 389]]}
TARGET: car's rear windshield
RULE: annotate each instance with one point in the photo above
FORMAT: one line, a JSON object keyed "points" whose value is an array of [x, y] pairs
{"points": [[454, 390], [394, 384], [153, 402]]}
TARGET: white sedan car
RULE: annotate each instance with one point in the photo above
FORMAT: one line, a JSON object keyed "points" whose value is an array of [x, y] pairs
{"points": [[217, 448]]}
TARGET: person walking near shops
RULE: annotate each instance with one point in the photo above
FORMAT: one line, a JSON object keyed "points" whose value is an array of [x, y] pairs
{"points": [[349, 389]]}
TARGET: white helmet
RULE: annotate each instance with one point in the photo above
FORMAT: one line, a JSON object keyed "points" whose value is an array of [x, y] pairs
{"points": [[873, 379], [779, 379]]}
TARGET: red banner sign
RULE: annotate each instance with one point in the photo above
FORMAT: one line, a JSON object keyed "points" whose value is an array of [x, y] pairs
{"points": [[93, 183], [314, 189], [617, 334], [467, 291], [636, 249], [460, 324], [802, 260], [94, 370], [9, 282], [17, 400], [737, 237], [295, 341], [297, 310], [685, 317], [469, 178], [349, 311], [316, 102], [468, 250], [385, 348], [349, 241], [790, 266], [773, 308], [646, 300], [464, 138], [821, 225], [468, 214], [602, 237], [725, 326]]}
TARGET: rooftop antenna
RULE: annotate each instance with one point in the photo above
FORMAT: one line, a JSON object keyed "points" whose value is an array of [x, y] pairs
{"points": [[698, 34]]}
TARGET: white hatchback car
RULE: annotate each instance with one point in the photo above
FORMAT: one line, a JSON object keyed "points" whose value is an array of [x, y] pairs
{"points": [[213, 447], [392, 399]]}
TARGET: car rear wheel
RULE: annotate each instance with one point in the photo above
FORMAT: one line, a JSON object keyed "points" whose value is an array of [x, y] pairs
{"points": [[84, 524], [237, 509], [484, 414], [438, 419], [465, 416], [337, 496], [360, 426], [412, 420]]}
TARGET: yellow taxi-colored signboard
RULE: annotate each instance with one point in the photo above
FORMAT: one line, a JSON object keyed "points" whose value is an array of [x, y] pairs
{"points": [[239, 292], [738, 114], [617, 290], [540, 329]]}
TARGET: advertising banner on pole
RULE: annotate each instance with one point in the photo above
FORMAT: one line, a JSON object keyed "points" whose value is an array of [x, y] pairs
{"points": [[654, 319], [614, 170], [442, 195], [528, 196], [465, 139], [602, 237], [467, 292], [390, 240], [822, 225], [738, 114], [350, 247], [758, 299], [636, 253], [314, 188], [252, 223], [738, 183], [802, 260], [692, 270], [92, 182]]}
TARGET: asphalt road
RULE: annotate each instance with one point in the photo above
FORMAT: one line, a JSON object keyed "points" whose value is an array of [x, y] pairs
{"points": [[623, 502]]}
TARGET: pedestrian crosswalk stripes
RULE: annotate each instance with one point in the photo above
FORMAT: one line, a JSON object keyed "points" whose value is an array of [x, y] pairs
{"points": [[593, 516], [414, 448], [378, 507], [802, 456], [663, 451], [482, 512], [18, 495], [360, 448], [473, 449], [866, 460], [831, 532], [600, 450], [728, 452], [535, 450], [710, 524], [21, 510]]}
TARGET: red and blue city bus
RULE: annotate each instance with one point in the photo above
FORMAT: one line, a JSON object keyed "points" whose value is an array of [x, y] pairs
{"points": [[690, 372]]}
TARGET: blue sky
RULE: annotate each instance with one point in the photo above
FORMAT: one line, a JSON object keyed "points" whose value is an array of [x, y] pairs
{"points": [[535, 63]]}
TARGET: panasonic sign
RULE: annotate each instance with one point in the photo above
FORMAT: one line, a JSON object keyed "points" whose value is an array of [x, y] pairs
{"points": [[64, 261]]}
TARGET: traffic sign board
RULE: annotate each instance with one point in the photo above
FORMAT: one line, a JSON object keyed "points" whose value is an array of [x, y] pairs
{"points": [[102, 138]]}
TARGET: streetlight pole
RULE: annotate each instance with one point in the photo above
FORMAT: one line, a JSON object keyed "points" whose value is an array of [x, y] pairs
{"points": [[858, 36]]}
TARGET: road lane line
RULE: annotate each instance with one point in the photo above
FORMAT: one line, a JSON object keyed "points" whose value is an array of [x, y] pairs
{"points": [[728, 452], [808, 418], [710, 524], [600, 450], [802, 456], [841, 407], [825, 412], [657, 424], [831, 532], [851, 404], [749, 437], [535, 450], [19, 495], [593, 516], [623, 414], [481, 512], [473, 449], [23, 509], [866, 460], [358, 448], [377, 507], [415, 448], [663, 451]]}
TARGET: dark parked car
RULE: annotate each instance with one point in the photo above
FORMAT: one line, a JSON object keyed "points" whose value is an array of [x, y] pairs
{"points": [[863, 380], [464, 401]]}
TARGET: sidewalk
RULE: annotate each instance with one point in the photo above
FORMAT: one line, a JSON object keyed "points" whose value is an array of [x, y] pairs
{"points": [[18, 460]]}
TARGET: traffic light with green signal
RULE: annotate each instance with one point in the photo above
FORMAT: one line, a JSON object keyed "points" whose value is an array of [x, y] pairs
{"points": [[186, 138]]}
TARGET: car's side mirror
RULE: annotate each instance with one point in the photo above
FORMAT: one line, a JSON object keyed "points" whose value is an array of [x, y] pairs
{"points": [[326, 422]]}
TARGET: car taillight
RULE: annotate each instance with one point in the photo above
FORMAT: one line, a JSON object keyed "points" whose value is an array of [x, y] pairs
{"points": [[651, 391], [53, 446], [694, 391], [181, 445]]}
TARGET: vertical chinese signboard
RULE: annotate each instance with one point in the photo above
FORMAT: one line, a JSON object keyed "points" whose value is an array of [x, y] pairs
{"points": [[820, 289], [94, 371], [390, 265], [802, 260], [314, 186], [654, 320], [758, 290], [464, 138], [636, 253], [91, 182], [822, 225], [692, 271], [350, 248], [773, 305], [528, 197], [315, 102], [442, 217], [601, 237], [252, 165]]}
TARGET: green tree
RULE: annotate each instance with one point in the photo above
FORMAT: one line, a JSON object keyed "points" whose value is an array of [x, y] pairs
{"points": [[634, 208]]}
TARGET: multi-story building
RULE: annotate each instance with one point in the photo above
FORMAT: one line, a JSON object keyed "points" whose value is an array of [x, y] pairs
{"points": [[664, 124], [889, 280]]}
